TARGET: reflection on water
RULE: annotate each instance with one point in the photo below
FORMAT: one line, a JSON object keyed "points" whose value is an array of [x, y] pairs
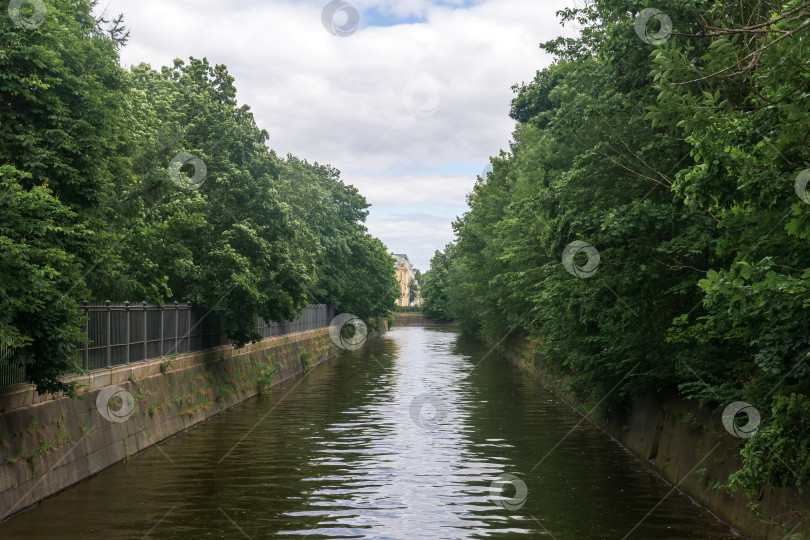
{"points": [[412, 436]]}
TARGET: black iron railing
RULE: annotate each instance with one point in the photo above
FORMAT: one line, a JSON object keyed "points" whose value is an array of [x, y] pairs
{"points": [[127, 333]]}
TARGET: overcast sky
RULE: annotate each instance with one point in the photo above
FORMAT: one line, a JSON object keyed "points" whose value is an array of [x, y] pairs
{"points": [[409, 106]]}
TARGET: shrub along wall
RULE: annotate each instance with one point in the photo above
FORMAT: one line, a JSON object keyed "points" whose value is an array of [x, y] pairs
{"points": [[48, 443], [690, 448]]}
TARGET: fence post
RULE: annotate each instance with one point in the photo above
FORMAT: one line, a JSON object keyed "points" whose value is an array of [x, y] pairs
{"points": [[176, 325], [126, 307], [107, 326], [85, 362], [161, 331], [145, 334], [188, 334]]}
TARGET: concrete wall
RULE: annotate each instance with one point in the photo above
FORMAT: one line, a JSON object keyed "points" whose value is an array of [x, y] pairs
{"points": [[417, 319], [678, 439], [48, 443]]}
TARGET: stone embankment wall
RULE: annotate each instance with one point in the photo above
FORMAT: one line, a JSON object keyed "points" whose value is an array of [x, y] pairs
{"points": [[48, 443], [690, 448], [417, 319]]}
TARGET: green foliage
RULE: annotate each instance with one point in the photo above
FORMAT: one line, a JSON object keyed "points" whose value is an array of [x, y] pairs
{"points": [[676, 161], [265, 380], [306, 362], [62, 147], [413, 291], [690, 420], [88, 209], [779, 452], [223, 391], [236, 249], [354, 271], [435, 301], [38, 315]]}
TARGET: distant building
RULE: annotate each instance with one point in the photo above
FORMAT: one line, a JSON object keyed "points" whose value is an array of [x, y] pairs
{"points": [[405, 272]]}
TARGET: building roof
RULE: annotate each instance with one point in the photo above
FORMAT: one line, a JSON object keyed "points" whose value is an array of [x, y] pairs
{"points": [[401, 261]]}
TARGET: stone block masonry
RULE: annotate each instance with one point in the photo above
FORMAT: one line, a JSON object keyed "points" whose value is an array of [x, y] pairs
{"points": [[689, 447], [50, 442]]}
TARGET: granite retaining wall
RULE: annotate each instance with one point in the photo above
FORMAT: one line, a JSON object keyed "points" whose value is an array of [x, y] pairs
{"points": [[50, 442], [689, 447]]}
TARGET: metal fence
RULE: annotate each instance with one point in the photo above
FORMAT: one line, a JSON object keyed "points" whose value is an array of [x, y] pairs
{"points": [[10, 373], [127, 333]]}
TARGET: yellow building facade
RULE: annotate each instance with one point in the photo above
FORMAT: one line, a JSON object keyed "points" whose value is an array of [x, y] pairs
{"points": [[405, 272]]}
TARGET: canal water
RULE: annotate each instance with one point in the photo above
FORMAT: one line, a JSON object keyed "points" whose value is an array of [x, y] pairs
{"points": [[418, 434]]}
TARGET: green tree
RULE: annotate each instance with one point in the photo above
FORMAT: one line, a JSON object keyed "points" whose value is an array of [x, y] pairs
{"points": [[413, 291], [41, 241], [678, 162], [92, 207], [435, 288], [233, 245], [64, 140], [736, 91], [347, 258]]}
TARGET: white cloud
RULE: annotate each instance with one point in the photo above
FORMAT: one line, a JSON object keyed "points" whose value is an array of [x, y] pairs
{"points": [[394, 190], [339, 100], [416, 235]]}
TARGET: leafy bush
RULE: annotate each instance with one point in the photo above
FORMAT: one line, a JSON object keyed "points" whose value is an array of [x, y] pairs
{"points": [[778, 454]]}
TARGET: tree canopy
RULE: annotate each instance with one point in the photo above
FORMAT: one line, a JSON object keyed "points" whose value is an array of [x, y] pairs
{"points": [[681, 158], [156, 185]]}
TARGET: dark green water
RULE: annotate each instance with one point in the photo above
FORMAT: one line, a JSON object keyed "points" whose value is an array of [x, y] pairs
{"points": [[347, 452]]}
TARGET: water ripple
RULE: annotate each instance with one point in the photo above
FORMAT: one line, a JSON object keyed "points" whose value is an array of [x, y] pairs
{"points": [[405, 438]]}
